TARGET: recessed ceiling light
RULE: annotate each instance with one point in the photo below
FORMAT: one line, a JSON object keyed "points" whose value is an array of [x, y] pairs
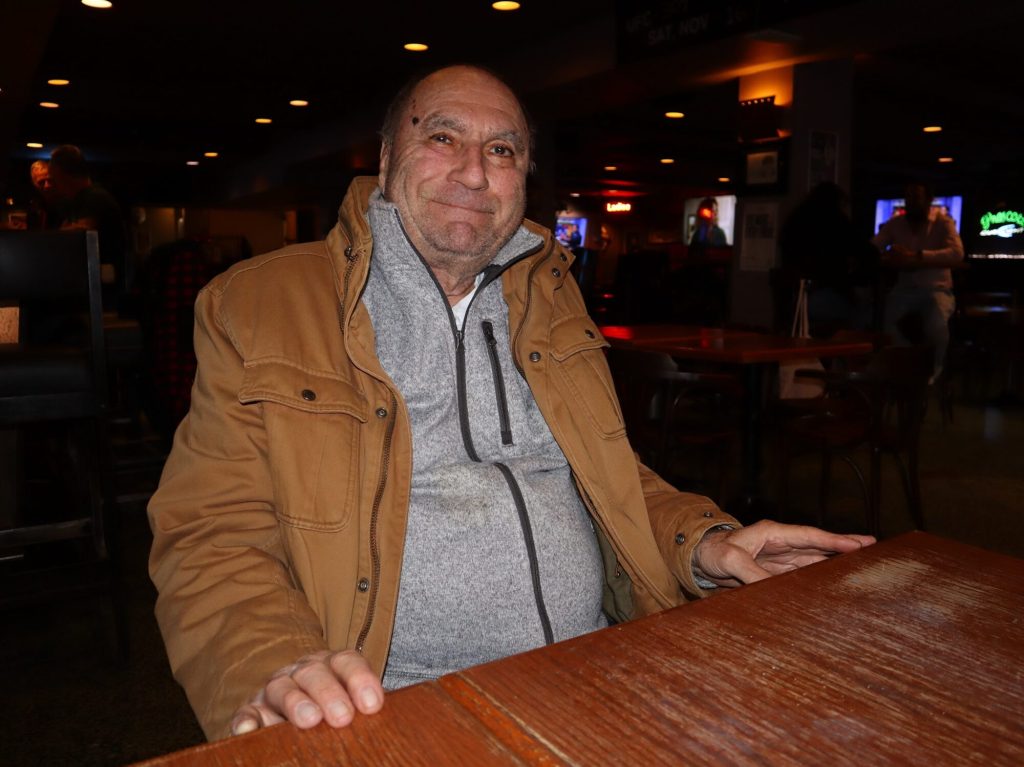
{"points": [[611, 167], [209, 154], [34, 145], [49, 104], [932, 129], [667, 161], [58, 81], [192, 162], [574, 194], [264, 120], [98, 3], [504, 5], [298, 103], [945, 159], [724, 179], [415, 47], [675, 115]]}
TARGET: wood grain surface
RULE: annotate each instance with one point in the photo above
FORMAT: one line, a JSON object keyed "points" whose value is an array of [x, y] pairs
{"points": [[907, 652]]}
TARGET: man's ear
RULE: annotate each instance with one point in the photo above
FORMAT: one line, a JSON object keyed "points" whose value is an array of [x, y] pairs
{"points": [[382, 173]]}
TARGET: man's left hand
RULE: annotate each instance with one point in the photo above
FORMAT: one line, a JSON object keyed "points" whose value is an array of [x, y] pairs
{"points": [[732, 558]]}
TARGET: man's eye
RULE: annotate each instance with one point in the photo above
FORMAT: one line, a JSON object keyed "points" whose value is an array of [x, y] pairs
{"points": [[503, 151], [441, 138]]}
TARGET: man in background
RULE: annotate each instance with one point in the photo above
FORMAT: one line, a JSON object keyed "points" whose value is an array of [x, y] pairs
{"points": [[89, 206], [922, 244]]}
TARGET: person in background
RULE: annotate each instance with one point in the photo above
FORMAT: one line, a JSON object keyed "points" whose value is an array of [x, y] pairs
{"points": [[403, 454], [43, 212], [88, 206], [922, 244], [820, 244], [707, 233]]}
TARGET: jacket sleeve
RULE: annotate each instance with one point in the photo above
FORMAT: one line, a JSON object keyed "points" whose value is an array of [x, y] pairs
{"points": [[227, 607], [679, 521]]}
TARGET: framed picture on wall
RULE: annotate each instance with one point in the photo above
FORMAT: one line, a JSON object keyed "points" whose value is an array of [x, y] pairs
{"points": [[765, 169]]}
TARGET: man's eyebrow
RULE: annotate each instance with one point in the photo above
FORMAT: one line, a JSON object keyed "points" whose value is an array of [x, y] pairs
{"points": [[436, 121]]}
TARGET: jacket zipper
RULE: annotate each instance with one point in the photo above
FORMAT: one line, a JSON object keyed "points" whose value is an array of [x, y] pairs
{"points": [[467, 437], [351, 258], [531, 551], [374, 515], [499, 382]]}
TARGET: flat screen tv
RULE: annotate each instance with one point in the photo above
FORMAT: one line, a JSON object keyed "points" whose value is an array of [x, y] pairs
{"points": [[711, 220], [571, 231], [951, 205]]}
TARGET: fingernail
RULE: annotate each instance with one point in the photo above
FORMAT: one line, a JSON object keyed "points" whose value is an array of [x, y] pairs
{"points": [[338, 711], [244, 726], [369, 698], [306, 713]]}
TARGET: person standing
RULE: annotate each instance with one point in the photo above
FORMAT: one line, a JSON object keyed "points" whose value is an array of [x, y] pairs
{"points": [[89, 206], [922, 244]]}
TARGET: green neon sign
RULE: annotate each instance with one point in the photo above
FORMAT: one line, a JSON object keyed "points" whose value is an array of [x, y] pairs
{"points": [[1002, 217]]}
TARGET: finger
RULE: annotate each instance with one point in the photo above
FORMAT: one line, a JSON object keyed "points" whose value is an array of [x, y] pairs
{"points": [[252, 717], [805, 537], [287, 698], [358, 679], [321, 683]]}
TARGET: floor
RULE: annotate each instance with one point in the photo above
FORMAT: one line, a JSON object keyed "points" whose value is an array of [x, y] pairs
{"points": [[71, 702]]}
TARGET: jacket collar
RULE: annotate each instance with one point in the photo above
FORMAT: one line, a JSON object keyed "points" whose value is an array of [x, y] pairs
{"points": [[350, 242]]}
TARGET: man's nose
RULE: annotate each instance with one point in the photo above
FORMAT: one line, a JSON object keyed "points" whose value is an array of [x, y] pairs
{"points": [[469, 168]]}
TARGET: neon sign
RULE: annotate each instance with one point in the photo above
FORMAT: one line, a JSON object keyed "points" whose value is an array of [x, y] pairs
{"points": [[618, 207], [1003, 223]]}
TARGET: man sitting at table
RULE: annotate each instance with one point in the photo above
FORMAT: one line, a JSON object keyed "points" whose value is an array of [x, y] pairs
{"points": [[404, 455]]}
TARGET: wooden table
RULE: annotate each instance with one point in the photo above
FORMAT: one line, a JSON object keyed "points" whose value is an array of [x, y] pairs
{"points": [[907, 652], [756, 353]]}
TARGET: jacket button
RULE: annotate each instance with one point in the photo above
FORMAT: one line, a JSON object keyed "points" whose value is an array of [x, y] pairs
{"points": [[588, 333], [680, 539], [534, 356], [557, 272], [309, 395], [562, 256], [364, 584], [708, 514], [381, 412]]}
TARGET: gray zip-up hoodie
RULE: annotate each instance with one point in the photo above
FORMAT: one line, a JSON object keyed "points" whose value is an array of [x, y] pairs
{"points": [[500, 554]]}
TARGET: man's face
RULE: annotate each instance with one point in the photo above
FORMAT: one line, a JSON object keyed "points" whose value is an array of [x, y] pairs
{"points": [[62, 185], [917, 203], [41, 180], [457, 168]]}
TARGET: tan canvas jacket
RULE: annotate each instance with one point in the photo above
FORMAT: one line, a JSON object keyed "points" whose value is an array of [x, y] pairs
{"points": [[280, 517]]}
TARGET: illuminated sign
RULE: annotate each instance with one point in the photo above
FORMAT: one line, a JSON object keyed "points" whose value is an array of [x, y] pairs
{"points": [[1004, 223], [618, 207]]}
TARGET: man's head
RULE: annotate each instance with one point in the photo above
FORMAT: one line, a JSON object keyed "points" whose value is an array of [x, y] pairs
{"points": [[708, 210], [453, 160], [917, 202], [40, 173], [69, 173]]}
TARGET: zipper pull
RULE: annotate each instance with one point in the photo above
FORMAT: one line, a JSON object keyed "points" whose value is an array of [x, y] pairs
{"points": [[489, 333]]}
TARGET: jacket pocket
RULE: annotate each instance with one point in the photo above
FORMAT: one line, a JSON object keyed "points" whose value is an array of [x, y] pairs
{"points": [[313, 426], [577, 347]]}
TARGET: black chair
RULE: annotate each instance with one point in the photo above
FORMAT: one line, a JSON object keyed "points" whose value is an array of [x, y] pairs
{"points": [[58, 535], [880, 407], [669, 412]]}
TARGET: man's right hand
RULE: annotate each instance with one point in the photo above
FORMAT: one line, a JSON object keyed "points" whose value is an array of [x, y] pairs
{"points": [[324, 686]]}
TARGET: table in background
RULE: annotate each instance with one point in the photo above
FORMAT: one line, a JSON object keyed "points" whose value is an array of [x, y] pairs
{"points": [[755, 353], [906, 652]]}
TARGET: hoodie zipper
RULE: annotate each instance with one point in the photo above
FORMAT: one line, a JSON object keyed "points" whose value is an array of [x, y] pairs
{"points": [[491, 273], [499, 382]]}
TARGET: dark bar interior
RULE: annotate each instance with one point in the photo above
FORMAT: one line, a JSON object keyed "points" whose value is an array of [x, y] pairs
{"points": [[704, 164]]}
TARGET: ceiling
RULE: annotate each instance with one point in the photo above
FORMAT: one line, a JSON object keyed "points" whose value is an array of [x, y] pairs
{"points": [[155, 84]]}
